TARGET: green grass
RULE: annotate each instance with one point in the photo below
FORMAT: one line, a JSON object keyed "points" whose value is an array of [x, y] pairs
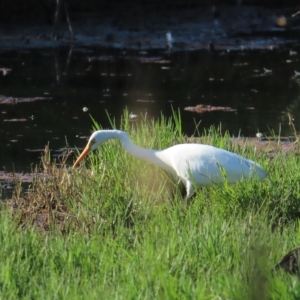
{"points": [[117, 228]]}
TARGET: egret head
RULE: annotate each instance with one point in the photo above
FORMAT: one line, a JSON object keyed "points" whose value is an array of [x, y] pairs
{"points": [[96, 139]]}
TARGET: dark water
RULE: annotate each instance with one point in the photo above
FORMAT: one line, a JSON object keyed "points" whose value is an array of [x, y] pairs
{"points": [[260, 86]]}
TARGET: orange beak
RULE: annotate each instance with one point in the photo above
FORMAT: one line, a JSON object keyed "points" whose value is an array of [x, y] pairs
{"points": [[84, 153]]}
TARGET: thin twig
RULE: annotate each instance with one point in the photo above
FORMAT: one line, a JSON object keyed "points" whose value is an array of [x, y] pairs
{"points": [[292, 125], [295, 14]]}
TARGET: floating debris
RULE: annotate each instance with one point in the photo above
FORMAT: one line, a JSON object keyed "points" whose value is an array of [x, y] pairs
{"points": [[85, 109], [101, 58], [11, 178], [36, 150], [14, 120], [241, 64], [153, 60], [109, 74], [114, 75], [13, 100], [297, 73], [295, 14], [133, 116], [267, 70], [145, 101], [8, 186], [201, 108], [5, 71]]}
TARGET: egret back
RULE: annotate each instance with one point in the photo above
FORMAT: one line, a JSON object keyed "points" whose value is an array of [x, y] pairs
{"points": [[208, 165]]}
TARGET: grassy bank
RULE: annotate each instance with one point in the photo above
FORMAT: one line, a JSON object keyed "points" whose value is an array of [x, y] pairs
{"points": [[117, 228]]}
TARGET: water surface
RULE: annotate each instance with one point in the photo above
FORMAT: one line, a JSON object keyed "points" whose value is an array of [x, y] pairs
{"points": [[48, 94]]}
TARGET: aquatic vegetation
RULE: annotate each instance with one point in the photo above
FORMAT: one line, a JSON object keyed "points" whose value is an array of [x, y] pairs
{"points": [[117, 227]]}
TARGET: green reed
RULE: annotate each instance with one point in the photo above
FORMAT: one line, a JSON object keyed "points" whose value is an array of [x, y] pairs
{"points": [[119, 228]]}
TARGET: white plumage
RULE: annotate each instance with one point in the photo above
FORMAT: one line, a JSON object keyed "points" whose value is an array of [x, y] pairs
{"points": [[191, 164]]}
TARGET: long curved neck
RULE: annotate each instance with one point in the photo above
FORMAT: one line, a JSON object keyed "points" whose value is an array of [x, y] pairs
{"points": [[156, 157]]}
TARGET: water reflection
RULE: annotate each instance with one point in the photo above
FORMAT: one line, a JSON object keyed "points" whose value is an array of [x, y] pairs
{"points": [[246, 91]]}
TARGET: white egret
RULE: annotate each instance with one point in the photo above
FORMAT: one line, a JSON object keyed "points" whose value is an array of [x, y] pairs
{"points": [[191, 164]]}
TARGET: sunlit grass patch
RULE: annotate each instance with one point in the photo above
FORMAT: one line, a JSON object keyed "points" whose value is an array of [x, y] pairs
{"points": [[117, 227], [116, 185]]}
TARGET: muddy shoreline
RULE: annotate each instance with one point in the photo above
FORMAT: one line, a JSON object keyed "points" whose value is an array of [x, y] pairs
{"points": [[271, 147], [232, 28]]}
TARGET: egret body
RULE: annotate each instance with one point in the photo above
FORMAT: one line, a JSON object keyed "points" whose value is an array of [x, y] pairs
{"points": [[191, 164]]}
